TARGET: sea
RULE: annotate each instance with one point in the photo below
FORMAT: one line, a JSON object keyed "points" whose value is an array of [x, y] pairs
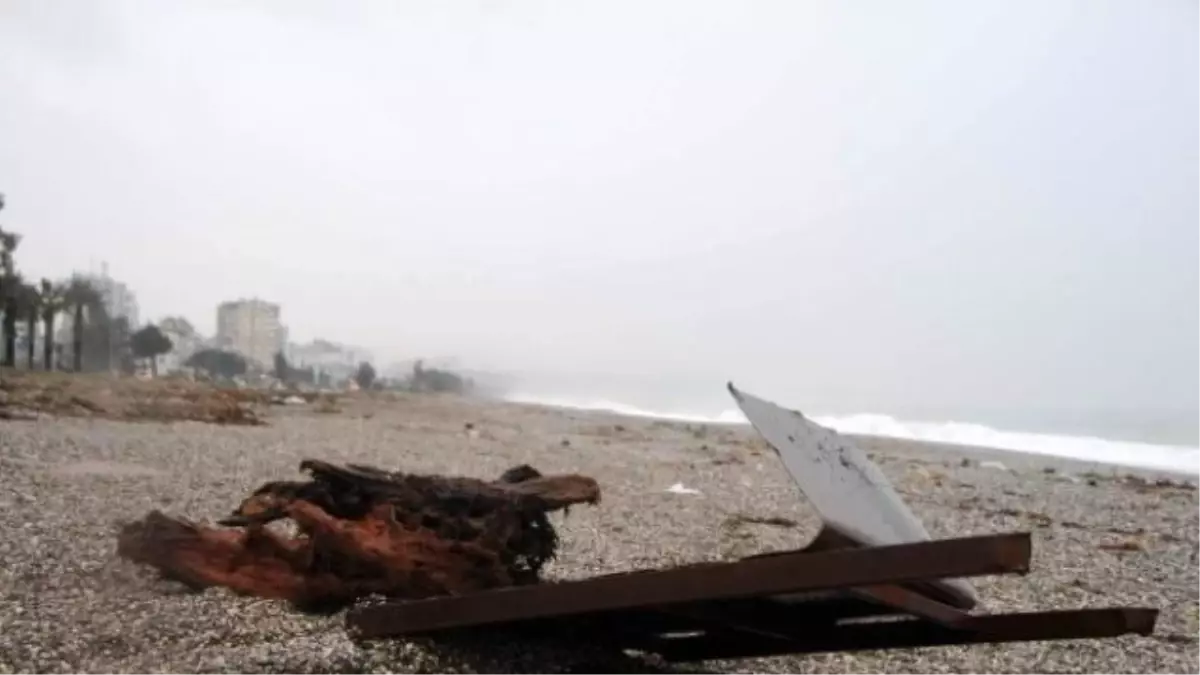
{"points": [[1180, 457]]}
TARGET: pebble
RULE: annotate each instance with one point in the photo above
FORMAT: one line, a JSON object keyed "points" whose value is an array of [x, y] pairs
{"points": [[67, 604]]}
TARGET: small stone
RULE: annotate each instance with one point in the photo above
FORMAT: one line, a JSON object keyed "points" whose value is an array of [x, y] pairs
{"points": [[68, 605]]}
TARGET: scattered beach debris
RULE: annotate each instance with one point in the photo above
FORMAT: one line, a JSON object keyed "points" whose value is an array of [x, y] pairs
{"points": [[24, 395], [679, 489], [1140, 483], [1087, 587], [17, 415], [1036, 518], [364, 531], [924, 474], [1149, 485], [739, 519], [327, 404], [1123, 546], [907, 590], [1041, 520], [727, 459], [992, 464]]}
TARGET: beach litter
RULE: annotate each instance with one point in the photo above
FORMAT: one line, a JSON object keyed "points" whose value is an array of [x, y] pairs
{"points": [[679, 489], [364, 531], [872, 578], [454, 553], [26, 395]]}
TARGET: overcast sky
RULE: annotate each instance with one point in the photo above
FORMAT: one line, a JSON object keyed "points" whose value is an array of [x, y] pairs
{"points": [[869, 204]]}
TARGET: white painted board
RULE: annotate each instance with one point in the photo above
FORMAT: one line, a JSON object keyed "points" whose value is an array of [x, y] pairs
{"points": [[843, 484]]}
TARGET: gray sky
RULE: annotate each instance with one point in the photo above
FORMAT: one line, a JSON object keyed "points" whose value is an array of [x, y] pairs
{"points": [[875, 205]]}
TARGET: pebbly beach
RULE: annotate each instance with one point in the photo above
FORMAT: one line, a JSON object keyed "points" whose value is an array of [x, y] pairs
{"points": [[1102, 535]]}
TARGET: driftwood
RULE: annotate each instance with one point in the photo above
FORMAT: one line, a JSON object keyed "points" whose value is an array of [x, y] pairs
{"points": [[363, 531]]}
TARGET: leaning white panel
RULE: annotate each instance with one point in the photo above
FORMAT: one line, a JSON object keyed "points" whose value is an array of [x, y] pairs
{"points": [[848, 490]]}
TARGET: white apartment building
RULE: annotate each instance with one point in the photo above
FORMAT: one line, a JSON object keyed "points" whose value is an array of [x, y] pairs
{"points": [[252, 328]]}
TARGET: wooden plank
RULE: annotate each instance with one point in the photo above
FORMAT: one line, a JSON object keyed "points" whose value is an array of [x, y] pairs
{"points": [[997, 628], [910, 602], [798, 571]]}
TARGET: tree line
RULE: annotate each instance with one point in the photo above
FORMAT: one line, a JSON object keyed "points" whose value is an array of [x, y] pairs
{"points": [[420, 380], [99, 341]]}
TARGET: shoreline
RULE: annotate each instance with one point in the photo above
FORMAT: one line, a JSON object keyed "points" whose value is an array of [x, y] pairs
{"points": [[1025, 458]]}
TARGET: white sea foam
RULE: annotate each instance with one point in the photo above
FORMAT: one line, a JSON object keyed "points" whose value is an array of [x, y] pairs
{"points": [[1173, 458]]}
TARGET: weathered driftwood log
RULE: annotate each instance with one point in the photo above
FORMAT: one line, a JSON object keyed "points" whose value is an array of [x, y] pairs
{"points": [[364, 531]]}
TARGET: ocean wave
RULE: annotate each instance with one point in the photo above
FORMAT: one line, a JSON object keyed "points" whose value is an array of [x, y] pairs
{"points": [[1172, 458], [732, 416]]}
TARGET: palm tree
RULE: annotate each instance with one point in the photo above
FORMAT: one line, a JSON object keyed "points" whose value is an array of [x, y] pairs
{"points": [[80, 295], [21, 302], [11, 291], [52, 302], [31, 302], [9, 284], [8, 245]]}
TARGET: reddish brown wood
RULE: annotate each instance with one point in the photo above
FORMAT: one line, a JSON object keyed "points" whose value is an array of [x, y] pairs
{"points": [[363, 531], [783, 573]]}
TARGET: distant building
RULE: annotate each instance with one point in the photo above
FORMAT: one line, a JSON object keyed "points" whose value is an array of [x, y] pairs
{"points": [[252, 328], [119, 299], [185, 341], [22, 343], [338, 361]]}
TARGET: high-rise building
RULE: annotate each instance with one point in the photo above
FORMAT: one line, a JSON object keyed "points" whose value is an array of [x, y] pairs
{"points": [[119, 300], [252, 328]]}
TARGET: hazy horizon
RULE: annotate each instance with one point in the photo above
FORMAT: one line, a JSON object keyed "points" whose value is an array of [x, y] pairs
{"points": [[889, 207]]}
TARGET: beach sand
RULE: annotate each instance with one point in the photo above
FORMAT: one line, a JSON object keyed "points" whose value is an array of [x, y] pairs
{"points": [[68, 604]]}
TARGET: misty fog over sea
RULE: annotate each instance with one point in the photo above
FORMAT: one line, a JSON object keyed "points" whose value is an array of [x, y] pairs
{"points": [[967, 222], [1162, 440]]}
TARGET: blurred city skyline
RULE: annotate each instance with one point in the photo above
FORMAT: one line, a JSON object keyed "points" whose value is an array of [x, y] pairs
{"points": [[871, 206]]}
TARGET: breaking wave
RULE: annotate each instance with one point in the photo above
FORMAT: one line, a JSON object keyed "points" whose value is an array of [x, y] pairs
{"points": [[732, 416], [1174, 458]]}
